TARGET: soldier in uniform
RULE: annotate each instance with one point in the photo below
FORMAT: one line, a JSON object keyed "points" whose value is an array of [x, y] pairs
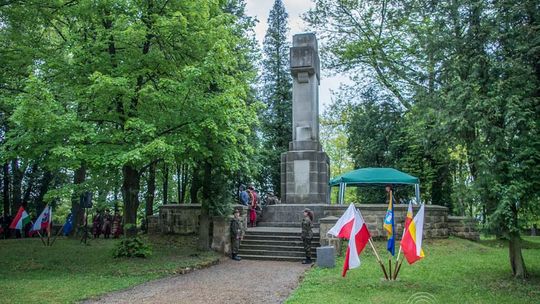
{"points": [[237, 234], [307, 234]]}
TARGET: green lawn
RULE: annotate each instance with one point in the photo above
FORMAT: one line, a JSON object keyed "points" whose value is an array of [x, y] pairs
{"points": [[454, 271], [69, 271]]}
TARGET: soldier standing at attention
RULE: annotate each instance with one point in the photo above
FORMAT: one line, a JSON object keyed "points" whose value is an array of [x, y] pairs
{"points": [[307, 234], [237, 234]]}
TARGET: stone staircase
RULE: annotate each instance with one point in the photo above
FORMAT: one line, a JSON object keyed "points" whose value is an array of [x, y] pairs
{"points": [[278, 243]]}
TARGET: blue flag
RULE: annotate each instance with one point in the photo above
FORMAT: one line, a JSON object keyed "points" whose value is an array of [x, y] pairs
{"points": [[389, 226], [68, 226]]}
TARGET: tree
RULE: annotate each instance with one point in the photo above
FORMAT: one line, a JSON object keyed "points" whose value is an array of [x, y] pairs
{"points": [[276, 119], [117, 86]]}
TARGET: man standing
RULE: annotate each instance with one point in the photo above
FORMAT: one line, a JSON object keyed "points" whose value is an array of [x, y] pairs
{"points": [[237, 234], [253, 204], [244, 196]]}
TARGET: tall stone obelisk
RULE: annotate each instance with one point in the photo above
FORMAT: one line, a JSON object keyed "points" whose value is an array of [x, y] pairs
{"points": [[305, 168]]}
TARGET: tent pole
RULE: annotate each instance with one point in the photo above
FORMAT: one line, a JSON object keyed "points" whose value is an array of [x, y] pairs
{"points": [[417, 192]]}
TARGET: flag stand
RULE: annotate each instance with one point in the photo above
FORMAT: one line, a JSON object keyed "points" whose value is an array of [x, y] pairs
{"points": [[378, 259]]}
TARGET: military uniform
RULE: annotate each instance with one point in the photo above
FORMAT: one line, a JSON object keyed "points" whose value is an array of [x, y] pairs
{"points": [[236, 235], [307, 235]]}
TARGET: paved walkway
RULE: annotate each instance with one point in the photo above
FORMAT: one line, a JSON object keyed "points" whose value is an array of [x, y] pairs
{"points": [[247, 281]]}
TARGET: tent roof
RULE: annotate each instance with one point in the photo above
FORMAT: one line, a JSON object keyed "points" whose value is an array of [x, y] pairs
{"points": [[374, 176]]}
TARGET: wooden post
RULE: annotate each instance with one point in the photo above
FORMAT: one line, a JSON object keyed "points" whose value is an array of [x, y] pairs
{"points": [[378, 259]]}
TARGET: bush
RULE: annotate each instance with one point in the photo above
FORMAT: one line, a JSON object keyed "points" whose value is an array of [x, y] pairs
{"points": [[132, 247]]}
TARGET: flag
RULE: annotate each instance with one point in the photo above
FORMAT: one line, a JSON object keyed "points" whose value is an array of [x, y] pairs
{"points": [[44, 220], [68, 225], [21, 219], [409, 218], [389, 225], [359, 237], [411, 244], [344, 226]]}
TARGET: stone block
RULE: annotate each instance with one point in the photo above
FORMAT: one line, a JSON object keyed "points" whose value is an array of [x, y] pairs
{"points": [[326, 257]]}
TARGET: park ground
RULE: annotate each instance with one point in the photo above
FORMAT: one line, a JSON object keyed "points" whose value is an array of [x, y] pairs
{"points": [[454, 271], [70, 271]]}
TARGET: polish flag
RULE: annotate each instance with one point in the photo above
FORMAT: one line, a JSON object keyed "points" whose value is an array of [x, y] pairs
{"points": [[351, 225]]}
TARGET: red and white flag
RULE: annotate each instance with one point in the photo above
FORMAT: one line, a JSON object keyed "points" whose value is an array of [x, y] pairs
{"points": [[44, 219], [351, 225]]}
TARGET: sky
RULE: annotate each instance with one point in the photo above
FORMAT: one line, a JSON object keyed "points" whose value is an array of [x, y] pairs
{"points": [[295, 8]]}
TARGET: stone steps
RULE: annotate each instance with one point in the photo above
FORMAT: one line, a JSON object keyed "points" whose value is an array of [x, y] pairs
{"points": [[283, 224], [275, 243]]}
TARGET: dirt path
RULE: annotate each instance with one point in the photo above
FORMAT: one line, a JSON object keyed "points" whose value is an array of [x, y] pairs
{"points": [[228, 282]]}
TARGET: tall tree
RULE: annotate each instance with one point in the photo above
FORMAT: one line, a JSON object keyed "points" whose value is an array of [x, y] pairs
{"points": [[276, 118]]}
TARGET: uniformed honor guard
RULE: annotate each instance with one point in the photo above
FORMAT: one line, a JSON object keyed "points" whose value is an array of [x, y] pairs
{"points": [[237, 234], [307, 234]]}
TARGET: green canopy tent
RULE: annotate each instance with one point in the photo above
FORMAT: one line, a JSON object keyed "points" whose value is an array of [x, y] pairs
{"points": [[374, 176]]}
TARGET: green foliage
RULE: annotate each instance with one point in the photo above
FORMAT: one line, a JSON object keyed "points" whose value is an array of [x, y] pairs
{"points": [[132, 248], [465, 77]]}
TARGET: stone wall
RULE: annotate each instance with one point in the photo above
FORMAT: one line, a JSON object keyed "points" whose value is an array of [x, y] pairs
{"points": [[221, 232], [435, 221], [179, 219], [463, 227], [153, 224]]}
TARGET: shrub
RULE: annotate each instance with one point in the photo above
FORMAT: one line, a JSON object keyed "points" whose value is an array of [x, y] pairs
{"points": [[132, 247]]}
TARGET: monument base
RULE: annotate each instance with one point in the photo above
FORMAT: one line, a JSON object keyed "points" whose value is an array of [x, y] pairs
{"points": [[283, 214], [304, 177]]}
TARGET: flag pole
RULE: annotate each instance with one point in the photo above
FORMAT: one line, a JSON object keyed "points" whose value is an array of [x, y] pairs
{"points": [[378, 259], [398, 267], [49, 228], [57, 234], [41, 237], [390, 267]]}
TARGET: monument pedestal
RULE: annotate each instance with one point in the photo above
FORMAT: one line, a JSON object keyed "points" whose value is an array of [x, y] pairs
{"points": [[304, 177]]}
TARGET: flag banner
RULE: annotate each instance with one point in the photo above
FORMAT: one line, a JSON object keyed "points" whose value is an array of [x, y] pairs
{"points": [[68, 226], [21, 219], [411, 244], [389, 225], [344, 225], [43, 220], [359, 237]]}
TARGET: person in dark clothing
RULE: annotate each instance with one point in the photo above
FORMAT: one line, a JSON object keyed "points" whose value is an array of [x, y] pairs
{"points": [[307, 234], [237, 234]]}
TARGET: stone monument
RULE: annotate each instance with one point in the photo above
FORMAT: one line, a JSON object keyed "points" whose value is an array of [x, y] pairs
{"points": [[305, 168]]}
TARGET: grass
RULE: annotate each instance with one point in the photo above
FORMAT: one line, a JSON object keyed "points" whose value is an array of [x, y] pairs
{"points": [[454, 271], [69, 271]]}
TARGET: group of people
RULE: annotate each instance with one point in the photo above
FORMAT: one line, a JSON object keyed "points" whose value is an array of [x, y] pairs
{"points": [[250, 197], [237, 234], [104, 223]]}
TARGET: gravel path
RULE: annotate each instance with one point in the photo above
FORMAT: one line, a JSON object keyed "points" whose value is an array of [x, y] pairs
{"points": [[246, 281]]}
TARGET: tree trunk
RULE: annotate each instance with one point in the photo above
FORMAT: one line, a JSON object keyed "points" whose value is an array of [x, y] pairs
{"points": [[516, 258], [5, 169], [195, 186], [76, 210], [29, 188], [151, 190], [165, 184], [43, 188], [182, 198], [130, 192], [179, 182], [205, 227], [16, 186]]}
